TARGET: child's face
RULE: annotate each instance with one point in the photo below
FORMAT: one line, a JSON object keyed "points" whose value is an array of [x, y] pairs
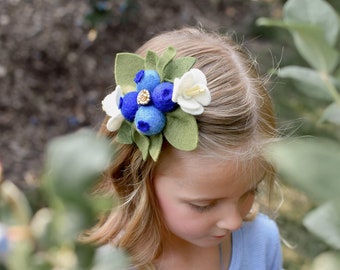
{"points": [[203, 199]]}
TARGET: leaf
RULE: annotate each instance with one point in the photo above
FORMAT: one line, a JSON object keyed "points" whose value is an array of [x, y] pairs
{"points": [[331, 114], [310, 43], [316, 12], [126, 67], [142, 142], [309, 164], [309, 81], [328, 260], [19, 207], [156, 142], [124, 135], [74, 163], [314, 49], [181, 130], [177, 67], [165, 58], [324, 222], [151, 60], [109, 258]]}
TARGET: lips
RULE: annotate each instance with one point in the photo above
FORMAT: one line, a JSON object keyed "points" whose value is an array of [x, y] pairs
{"points": [[219, 236]]}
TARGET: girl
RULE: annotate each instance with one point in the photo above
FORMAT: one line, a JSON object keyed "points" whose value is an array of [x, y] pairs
{"points": [[189, 131]]}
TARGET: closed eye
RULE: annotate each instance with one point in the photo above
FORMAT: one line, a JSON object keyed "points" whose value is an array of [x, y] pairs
{"points": [[202, 207]]}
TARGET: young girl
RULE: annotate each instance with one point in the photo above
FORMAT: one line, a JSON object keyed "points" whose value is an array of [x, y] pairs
{"points": [[189, 120]]}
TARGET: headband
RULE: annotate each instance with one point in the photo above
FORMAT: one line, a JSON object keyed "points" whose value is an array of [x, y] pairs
{"points": [[156, 98]]}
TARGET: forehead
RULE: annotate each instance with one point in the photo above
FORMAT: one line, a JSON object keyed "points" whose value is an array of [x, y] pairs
{"points": [[192, 169]]}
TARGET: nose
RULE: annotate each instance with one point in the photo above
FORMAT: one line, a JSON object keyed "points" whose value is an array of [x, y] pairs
{"points": [[230, 219]]}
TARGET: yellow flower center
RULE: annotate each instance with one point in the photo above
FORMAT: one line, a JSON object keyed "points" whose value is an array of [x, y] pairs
{"points": [[194, 91], [143, 97]]}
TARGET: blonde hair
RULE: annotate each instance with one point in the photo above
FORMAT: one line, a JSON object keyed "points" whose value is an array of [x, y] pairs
{"points": [[238, 122]]}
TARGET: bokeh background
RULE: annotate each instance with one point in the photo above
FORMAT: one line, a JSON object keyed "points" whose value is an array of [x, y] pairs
{"points": [[56, 65]]}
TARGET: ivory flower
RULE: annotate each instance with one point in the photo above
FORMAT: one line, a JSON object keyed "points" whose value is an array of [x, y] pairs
{"points": [[110, 105], [191, 92]]}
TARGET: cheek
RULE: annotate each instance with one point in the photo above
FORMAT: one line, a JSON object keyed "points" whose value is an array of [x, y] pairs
{"points": [[180, 219]]}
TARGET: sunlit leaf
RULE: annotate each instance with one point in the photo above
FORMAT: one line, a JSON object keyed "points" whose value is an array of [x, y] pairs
{"points": [[310, 164], [315, 12], [74, 162], [307, 80], [329, 260], [310, 42], [324, 222], [332, 114], [16, 203], [109, 258], [314, 49]]}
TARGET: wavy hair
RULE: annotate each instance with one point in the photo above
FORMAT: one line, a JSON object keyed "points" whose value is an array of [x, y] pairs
{"points": [[238, 123]]}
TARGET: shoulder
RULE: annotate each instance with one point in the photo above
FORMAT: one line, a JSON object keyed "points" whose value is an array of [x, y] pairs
{"points": [[257, 243], [261, 227]]}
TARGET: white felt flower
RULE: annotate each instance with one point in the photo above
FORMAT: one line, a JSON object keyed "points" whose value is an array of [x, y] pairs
{"points": [[191, 92], [110, 105]]}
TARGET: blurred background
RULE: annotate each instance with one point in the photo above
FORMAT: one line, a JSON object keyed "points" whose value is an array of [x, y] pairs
{"points": [[56, 65]]}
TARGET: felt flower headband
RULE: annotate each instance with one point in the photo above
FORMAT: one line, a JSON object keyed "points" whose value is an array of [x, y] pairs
{"points": [[155, 97]]}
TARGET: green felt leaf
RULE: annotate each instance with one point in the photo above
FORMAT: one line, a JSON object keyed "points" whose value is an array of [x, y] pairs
{"points": [[156, 142], [165, 58], [177, 67], [142, 142], [151, 60], [181, 130], [126, 67], [124, 133]]}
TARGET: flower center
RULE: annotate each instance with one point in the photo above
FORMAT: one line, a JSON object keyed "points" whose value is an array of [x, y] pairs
{"points": [[194, 91], [143, 97]]}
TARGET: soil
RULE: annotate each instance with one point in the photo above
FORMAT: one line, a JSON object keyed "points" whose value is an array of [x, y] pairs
{"points": [[56, 67], [55, 70]]}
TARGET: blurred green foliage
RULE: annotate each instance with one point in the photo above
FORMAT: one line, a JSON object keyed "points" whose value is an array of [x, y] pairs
{"points": [[49, 238], [109, 11], [312, 163]]}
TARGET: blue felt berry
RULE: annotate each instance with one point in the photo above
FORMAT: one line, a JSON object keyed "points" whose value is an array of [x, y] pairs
{"points": [[128, 105], [149, 120], [161, 97], [147, 79]]}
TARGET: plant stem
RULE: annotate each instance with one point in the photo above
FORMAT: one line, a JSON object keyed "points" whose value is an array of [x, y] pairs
{"points": [[331, 88]]}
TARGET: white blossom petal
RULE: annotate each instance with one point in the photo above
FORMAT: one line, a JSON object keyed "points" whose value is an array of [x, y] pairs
{"points": [[110, 105], [189, 106], [191, 92], [111, 102], [114, 123]]}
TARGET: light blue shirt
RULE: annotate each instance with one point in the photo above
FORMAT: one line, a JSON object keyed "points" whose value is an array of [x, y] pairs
{"points": [[256, 245]]}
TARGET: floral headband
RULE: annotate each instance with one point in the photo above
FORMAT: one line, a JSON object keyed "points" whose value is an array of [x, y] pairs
{"points": [[155, 97]]}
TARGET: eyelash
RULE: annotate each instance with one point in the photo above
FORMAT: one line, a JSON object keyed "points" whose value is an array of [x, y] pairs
{"points": [[201, 208], [205, 208]]}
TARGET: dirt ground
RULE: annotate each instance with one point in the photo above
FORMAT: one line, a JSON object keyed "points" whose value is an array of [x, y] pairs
{"points": [[54, 71]]}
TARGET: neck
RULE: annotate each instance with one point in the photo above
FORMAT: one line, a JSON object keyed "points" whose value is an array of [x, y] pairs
{"points": [[181, 255]]}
